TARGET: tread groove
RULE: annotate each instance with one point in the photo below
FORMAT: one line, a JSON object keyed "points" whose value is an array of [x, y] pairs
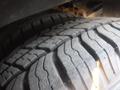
{"points": [[104, 51], [115, 26], [26, 82], [113, 44], [13, 84], [88, 48], [62, 71], [43, 48], [62, 61], [37, 75], [5, 69], [76, 68], [111, 31], [52, 19], [18, 66], [91, 51], [61, 19], [82, 59], [47, 73], [11, 79]]}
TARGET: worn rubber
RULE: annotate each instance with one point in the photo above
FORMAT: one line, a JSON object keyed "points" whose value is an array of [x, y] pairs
{"points": [[80, 54], [15, 34]]}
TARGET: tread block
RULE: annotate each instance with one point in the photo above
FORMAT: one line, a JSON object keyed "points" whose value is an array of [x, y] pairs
{"points": [[10, 86], [26, 27], [70, 16], [118, 22], [110, 36], [113, 58], [24, 63], [23, 51], [3, 67], [41, 75], [56, 19], [111, 19], [45, 75], [54, 78], [112, 29], [102, 21], [54, 31], [86, 26], [63, 17], [72, 32], [34, 43], [8, 74], [37, 52], [33, 79], [79, 64], [29, 58], [69, 24], [98, 77], [47, 21], [82, 20], [114, 19], [59, 26], [44, 31], [53, 42], [16, 56], [103, 58], [89, 60], [16, 83], [70, 69], [116, 25], [36, 25]]}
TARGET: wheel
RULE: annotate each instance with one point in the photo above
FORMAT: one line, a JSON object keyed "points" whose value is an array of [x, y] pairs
{"points": [[79, 54]]}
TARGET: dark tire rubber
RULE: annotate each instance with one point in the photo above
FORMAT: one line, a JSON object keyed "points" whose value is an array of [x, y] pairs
{"points": [[80, 54], [15, 34]]}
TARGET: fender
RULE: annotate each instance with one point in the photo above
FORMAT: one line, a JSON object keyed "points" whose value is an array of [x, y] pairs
{"points": [[12, 10]]}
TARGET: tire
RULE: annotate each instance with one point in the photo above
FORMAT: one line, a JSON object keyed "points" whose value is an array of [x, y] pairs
{"points": [[81, 54], [15, 34]]}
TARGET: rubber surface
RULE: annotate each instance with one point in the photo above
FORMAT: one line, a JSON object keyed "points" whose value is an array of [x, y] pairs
{"points": [[15, 34], [80, 54]]}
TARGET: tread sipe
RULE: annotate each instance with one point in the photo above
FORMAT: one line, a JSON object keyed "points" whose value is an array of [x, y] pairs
{"points": [[79, 54]]}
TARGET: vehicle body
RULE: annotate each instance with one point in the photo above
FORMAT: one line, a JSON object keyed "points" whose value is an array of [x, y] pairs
{"points": [[12, 10]]}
